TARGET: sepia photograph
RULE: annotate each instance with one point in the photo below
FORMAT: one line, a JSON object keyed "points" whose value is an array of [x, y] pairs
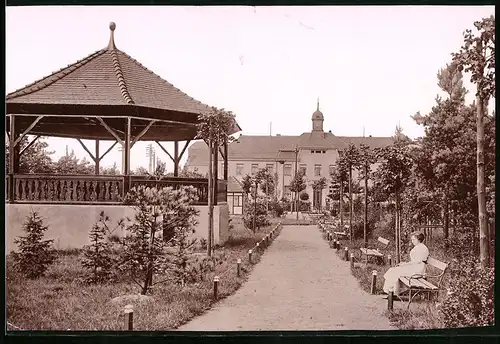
{"points": [[249, 168]]}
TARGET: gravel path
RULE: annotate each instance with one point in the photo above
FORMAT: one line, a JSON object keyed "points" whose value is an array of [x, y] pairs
{"points": [[299, 284]]}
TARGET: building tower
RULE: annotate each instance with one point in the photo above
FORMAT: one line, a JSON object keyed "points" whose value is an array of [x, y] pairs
{"points": [[317, 120]]}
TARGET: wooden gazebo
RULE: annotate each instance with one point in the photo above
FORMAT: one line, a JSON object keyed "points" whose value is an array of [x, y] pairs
{"points": [[106, 96]]}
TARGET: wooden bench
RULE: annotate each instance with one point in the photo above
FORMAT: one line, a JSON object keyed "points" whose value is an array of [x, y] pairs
{"points": [[370, 252], [342, 235], [419, 284]]}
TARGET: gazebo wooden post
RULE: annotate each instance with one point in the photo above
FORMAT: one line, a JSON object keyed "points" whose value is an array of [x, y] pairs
{"points": [[97, 158], [216, 170], [176, 158], [126, 182], [12, 159], [226, 167]]}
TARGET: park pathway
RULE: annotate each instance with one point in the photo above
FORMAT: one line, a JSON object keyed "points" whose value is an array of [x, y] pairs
{"points": [[299, 284]]}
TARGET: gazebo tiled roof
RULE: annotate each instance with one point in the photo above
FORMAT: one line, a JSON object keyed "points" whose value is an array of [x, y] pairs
{"points": [[108, 82]]}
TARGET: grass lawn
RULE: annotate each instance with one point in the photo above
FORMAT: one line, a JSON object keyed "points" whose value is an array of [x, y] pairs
{"points": [[60, 301]]}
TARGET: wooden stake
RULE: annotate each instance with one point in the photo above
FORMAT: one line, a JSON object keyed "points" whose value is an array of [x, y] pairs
{"points": [[374, 282], [346, 254], [390, 301], [216, 285], [352, 260], [389, 260], [238, 267], [129, 317], [250, 256]]}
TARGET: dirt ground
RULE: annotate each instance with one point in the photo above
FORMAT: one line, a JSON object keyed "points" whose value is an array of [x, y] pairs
{"points": [[300, 284]]}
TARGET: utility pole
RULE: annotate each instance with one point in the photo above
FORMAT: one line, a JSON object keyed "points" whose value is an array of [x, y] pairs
{"points": [[296, 173], [150, 153]]}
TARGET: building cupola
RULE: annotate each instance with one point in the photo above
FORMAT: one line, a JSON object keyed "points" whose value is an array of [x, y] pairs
{"points": [[317, 119]]}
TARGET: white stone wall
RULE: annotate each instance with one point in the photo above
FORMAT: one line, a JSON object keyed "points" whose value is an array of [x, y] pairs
{"points": [[69, 225]]}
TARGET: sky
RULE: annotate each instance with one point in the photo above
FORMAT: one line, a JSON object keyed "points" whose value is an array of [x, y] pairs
{"points": [[371, 67]]}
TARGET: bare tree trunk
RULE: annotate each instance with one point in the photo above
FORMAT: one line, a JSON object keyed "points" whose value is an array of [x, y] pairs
{"points": [[255, 206], [350, 203], [481, 191], [341, 204], [365, 217], [149, 272], [210, 200], [398, 241], [446, 216]]}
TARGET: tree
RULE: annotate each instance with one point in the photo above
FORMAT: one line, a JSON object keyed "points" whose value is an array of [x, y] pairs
{"points": [[187, 173], [140, 171], [112, 170], [144, 252], [350, 157], [393, 174], [35, 159], [214, 127], [339, 177], [477, 57], [98, 258], [319, 185], [70, 164], [366, 158], [35, 254], [262, 176], [440, 152], [298, 184]]}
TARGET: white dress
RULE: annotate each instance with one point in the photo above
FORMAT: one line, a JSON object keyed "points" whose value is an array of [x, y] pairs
{"points": [[418, 255]]}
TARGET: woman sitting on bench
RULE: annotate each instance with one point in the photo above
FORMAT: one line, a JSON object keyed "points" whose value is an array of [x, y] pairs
{"points": [[416, 265]]}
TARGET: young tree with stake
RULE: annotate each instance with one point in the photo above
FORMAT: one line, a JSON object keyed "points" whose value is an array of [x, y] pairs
{"points": [[477, 57], [214, 128]]}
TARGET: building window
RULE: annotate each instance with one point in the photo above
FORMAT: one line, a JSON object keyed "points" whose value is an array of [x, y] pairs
{"points": [[238, 201], [303, 169], [270, 168], [287, 192], [255, 168], [331, 169], [239, 169], [317, 170], [287, 169]]}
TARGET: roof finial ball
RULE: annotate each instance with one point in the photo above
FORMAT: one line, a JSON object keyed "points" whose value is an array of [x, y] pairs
{"points": [[111, 44]]}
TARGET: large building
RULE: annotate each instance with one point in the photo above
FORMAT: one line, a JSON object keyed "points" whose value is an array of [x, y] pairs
{"points": [[317, 152]]}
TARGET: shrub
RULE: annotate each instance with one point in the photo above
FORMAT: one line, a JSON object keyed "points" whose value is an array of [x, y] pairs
{"points": [[35, 254], [261, 218], [98, 256], [470, 299], [385, 227], [203, 243], [304, 196], [277, 208], [304, 206], [157, 211]]}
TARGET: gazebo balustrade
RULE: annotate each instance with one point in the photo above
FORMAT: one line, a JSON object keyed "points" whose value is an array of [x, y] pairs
{"points": [[97, 189]]}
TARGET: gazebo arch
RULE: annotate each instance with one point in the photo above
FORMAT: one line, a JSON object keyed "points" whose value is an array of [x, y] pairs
{"points": [[105, 96]]}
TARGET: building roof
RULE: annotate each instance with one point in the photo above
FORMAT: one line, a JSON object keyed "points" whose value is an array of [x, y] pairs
{"points": [[107, 82], [275, 148], [233, 185]]}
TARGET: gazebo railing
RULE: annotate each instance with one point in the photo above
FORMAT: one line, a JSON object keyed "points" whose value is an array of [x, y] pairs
{"points": [[96, 189], [36, 188]]}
